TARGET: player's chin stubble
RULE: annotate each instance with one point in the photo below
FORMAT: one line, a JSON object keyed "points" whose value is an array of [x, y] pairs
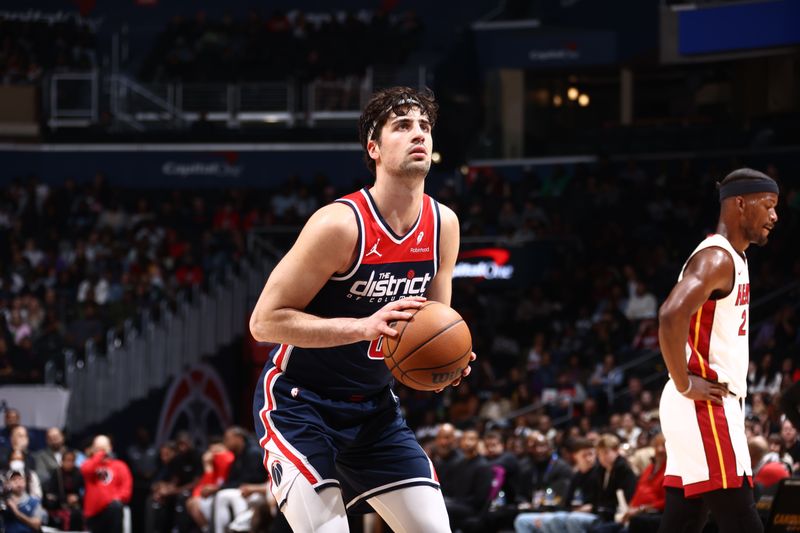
{"points": [[758, 238], [414, 169]]}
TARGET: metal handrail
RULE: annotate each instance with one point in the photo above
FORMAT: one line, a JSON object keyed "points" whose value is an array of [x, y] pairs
{"points": [[160, 349], [61, 116], [231, 103]]}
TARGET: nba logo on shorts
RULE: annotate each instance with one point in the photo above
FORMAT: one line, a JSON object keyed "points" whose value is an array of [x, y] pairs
{"points": [[277, 473]]}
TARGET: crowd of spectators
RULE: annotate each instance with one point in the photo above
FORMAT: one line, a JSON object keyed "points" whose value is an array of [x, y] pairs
{"points": [[78, 260], [530, 477], [618, 235], [304, 46], [547, 388], [534, 478], [30, 48], [170, 487]]}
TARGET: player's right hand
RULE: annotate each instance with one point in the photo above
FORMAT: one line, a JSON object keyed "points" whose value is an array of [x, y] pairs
{"points": [[705, 390], [377, 324]]}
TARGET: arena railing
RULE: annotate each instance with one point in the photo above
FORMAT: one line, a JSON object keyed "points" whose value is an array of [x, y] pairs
{"points": [[75, 99], [148, 356], [72, 99]]}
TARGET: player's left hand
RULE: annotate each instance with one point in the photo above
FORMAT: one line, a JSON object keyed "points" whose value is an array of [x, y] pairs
{"points": [[464, 373]]}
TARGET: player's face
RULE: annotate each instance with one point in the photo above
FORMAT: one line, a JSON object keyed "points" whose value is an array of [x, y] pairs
{"points": [[406, 144], [760, 216]]}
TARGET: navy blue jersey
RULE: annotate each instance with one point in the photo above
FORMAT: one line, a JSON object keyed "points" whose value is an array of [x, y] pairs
{"points": [[388, 267]]}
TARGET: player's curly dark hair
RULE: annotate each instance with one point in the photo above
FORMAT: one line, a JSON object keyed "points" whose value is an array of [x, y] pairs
{"points": [[399, 100]]}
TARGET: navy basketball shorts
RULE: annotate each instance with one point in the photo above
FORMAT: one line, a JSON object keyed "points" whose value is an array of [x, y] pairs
{"points": [[363, 447]]}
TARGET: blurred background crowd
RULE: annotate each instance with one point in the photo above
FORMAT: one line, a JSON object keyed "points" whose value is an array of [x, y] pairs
{"points": [[582, 146], [81, 258]]}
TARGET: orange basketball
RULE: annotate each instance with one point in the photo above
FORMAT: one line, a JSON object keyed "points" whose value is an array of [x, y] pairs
{"points": [[430, 349]]}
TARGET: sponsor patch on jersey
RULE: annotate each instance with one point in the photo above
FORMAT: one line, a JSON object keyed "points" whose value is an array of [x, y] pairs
{"points": [[387, 285]]}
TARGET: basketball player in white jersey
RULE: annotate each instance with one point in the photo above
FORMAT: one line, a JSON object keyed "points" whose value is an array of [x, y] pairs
{"points": [[703, 333], [333, 434]]}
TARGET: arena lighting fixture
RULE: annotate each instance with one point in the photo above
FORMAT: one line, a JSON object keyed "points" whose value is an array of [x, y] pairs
{"points": [[583, 100], [572, 93], [557, 100], [436, 157]]}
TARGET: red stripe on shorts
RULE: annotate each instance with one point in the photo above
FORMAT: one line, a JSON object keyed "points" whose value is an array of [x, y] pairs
{"points": [[725, 442], [272, 432], [281, 355], [709, 445]]}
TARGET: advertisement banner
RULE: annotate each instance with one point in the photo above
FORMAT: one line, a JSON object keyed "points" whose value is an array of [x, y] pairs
{"points": [[218, 167], [535, 48], [502, 266], [723, 28], [39, 406]]}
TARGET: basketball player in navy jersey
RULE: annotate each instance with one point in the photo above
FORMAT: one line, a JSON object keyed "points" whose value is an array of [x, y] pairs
{"points": [[702, 406], [331, 428]]}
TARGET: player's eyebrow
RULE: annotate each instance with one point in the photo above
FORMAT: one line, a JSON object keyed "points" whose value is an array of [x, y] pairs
{"points": [[406, 118]]}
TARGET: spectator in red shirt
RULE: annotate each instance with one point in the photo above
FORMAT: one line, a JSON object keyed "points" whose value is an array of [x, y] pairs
{"points": [[768, 469], [647, 504], [217, 462], [108, 483]]}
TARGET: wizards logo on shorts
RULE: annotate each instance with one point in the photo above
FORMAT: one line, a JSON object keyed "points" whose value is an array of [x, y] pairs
{"points": [[277, 473]]}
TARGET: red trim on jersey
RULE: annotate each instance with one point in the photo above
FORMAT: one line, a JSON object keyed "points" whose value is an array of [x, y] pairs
{"points": [[419, 244], [701, 333], [717, 445], [695, 489], [272, 433]]}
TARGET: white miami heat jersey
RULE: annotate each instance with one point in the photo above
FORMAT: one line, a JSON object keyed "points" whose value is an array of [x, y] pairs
{"points": [[717, 347]]}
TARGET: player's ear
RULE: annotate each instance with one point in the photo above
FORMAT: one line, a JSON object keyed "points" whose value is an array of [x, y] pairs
{"points": [[373, 149], [740, 203]]}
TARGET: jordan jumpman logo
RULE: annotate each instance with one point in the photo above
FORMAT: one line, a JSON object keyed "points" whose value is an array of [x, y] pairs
{"points": [[374, 249]]}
